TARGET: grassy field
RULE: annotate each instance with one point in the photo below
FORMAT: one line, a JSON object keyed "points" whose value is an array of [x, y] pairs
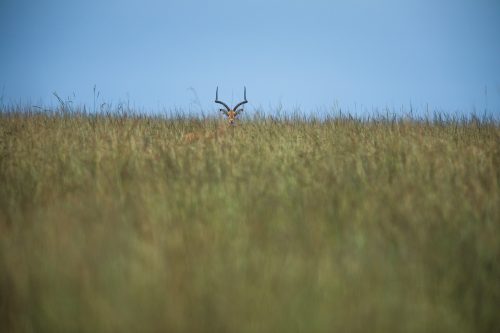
{"points": [[123, 223]]}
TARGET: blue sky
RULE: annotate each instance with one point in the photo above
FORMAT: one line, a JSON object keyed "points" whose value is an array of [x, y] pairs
{"points": [[358, 54]]}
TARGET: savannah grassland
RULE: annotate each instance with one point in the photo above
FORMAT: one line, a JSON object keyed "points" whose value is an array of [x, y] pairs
{"points": [[117, 223]]}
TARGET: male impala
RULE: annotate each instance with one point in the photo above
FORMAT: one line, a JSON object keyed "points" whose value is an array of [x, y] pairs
{"points": [[231, 114]]}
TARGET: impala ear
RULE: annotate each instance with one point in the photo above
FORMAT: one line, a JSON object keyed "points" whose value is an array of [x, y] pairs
{"points": [[223, 111]]}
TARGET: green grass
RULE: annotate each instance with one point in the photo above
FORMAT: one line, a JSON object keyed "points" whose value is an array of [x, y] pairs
{"points": [[114, 223]]}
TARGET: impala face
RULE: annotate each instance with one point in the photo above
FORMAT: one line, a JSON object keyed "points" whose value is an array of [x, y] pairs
{"points": [[231, 113], [231, 116]]}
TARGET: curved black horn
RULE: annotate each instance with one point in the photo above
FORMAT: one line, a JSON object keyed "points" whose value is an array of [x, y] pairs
{"points": [[220, 102], [244, 101]]}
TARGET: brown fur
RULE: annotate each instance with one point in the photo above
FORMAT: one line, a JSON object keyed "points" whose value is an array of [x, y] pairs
{"points": [[193, 137]]}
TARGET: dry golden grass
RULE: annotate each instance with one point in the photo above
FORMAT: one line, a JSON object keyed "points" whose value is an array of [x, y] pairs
{"points": [[116, 223]]}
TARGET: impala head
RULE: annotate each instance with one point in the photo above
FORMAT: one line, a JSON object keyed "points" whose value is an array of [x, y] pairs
{"points": [[231, 114]]}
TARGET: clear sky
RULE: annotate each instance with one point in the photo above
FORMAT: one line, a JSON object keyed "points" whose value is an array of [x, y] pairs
{"points": [[308, 53]]}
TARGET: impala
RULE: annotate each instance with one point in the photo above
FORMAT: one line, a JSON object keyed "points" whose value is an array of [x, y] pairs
{"points": [[231, 114]]}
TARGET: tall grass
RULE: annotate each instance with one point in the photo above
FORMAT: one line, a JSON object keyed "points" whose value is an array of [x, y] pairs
{"points": [[114, 223]]}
